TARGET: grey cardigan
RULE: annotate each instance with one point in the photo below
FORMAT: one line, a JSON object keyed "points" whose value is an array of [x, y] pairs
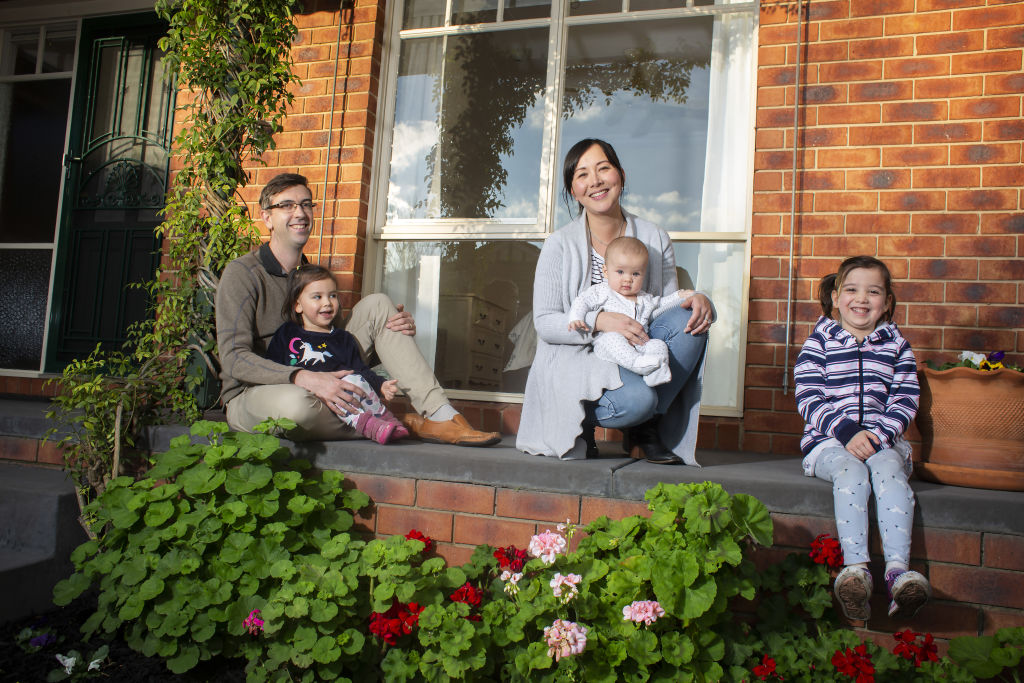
{"points": [[565, 371]]}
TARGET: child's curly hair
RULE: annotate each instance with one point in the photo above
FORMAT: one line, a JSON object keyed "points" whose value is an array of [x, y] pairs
{"points": [[834, 281]]}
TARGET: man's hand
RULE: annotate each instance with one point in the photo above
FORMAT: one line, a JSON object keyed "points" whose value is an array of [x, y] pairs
{"points": [[862, 445], [338, 395], [401, 322], [617, 322], [578, 326], [389, 389], [700, 319]]}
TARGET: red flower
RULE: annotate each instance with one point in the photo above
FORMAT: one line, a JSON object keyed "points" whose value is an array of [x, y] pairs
{"points": [[428, 544], [511, 558], [766, 669], [826, 550], [468, 594], [855, 663], [908, 647], [397, 621]]}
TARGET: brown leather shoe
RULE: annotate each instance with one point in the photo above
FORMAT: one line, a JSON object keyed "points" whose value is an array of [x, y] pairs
{"points": [[454, 431]]}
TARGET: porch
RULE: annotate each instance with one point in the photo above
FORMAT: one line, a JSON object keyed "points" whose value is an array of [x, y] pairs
{"points": [[969, 542]]}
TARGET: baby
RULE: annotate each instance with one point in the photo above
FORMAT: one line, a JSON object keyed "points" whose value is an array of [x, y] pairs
{"points": [[625, 268]]}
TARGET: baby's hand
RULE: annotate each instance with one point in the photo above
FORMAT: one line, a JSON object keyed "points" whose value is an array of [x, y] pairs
{"points": [[578, 326], [862, 445], [389, 389]]}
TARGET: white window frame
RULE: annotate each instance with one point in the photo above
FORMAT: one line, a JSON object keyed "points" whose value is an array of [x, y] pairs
{"points": [[380, 230]]}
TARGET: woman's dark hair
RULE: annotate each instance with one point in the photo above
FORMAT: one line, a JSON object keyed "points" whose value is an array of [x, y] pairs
{"points": [[572, 157], [298, 279], [834, 281]]}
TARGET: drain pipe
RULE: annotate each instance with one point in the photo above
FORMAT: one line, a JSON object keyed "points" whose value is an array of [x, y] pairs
{"points": [[330, 127], [792, 207]]}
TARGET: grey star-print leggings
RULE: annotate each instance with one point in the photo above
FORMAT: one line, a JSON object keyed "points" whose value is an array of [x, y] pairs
{"points": [[885, 473]]}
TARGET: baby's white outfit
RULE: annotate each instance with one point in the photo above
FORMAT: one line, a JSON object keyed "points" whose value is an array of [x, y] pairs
{"points": [[650, 359]]}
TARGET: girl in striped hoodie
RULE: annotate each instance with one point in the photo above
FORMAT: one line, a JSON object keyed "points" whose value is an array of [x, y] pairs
{"points": [[856, 388]]}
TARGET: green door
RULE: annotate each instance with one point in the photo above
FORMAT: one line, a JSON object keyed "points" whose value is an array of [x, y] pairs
{"points": [[115, 182]]}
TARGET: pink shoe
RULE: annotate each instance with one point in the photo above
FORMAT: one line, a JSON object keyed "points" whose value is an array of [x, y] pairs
{"points": [[378, 429], [400, 431]]}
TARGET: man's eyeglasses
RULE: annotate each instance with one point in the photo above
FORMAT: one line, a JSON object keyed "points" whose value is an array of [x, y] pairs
{"points": [[289, 206]]}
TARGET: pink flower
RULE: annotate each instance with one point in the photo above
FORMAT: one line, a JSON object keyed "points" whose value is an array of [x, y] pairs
{"points": [[253, 622], [565, 638], [546, 546], [647, 611], [565, 586]]}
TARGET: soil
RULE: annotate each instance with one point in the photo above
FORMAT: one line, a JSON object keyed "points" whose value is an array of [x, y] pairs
{"points": [[122, 665]]}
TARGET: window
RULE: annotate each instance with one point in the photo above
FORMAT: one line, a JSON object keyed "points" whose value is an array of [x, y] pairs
{"points": [[36, 66], [483, 99]]}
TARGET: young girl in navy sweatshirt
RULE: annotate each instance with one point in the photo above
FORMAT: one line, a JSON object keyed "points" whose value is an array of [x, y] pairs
{"points": [[857, 391]]}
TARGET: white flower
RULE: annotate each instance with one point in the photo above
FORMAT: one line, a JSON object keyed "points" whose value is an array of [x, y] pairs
{"points": [[95, 664], [511, 581], [67, 662], [972, 357]]}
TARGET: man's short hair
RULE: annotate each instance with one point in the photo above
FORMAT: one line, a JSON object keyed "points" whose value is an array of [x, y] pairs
{"points": [[278, 184], [625, 245]]}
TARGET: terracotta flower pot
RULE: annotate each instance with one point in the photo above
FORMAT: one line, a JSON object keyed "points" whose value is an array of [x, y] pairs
{"points": [[972, 428]]}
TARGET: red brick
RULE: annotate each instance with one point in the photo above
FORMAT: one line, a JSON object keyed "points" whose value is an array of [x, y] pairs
{"points": [[454, 555], [824, 137], [1006, 153], [400, 520], [1002, 176], [876, 7], [382, 489], [917, 67], [944, 315], [592, 508], [822, 224], [922, 155], [985, 62], [982, 200], [783, 161], [849, 113], [917, 245], [442, 495], [1004, 130], [947, 132], [775, 75], [797, 531], [783, 117], [767, 181], [996, 619], [877, 179], [921, 22], [842, 72], [849, 158], [1000, 84], [941, 619], [846, 28], [912, 201], [1001, 316], [944, 223], [977, 585], [881, 90], [816, 53], [914, 111], [550, 507], [943, 545], [845, 201], [492, 531], [977, 339], [985, 108], [874, 48], [961, 86], [1008, 15], [877, 223], [981, 293], [1005, 37], [880, 135], [50, 453], [822, 94], [765, 225], [769, 139], [16, 448], [947, 177], [1012, 269], [944, 43]]}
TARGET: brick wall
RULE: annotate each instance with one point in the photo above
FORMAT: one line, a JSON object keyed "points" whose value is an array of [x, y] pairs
{"points": [[909, 144], [978, 578]]}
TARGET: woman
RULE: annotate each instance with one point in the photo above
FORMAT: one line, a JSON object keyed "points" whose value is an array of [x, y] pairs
{"points": [[569, 389]]}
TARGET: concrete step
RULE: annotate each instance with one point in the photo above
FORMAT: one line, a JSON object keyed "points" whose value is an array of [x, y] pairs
{"points": [[38, 530]]}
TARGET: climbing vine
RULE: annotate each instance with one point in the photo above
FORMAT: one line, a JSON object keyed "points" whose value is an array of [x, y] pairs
{"points": [[233, 65]]}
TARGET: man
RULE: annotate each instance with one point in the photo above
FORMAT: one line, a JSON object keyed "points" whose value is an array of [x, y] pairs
{"points": [[250, 297]]}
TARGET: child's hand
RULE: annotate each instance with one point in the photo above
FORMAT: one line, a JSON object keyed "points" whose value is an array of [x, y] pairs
{"points": [[578, 326], [389, 389], [862, 445]]}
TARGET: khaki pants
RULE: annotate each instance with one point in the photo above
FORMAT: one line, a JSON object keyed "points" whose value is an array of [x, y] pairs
{"points": [[398, 352]]}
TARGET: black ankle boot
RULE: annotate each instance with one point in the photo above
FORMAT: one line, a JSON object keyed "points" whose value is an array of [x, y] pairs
{"points": [[588, 438], [642, 441]]}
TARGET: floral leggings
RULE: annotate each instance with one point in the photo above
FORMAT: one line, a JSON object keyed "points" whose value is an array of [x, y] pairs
{"points": [[853, 479]]}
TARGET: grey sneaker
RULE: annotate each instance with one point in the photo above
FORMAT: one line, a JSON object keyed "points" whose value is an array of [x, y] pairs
{"points": [[853, 591], [908, 591]]}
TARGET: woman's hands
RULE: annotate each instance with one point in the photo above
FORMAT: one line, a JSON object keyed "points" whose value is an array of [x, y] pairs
{"points": [[617, 322], [701, 313], [389, 389], [862, 445]]}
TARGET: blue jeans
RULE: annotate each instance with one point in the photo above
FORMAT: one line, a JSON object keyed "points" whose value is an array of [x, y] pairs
{"points": [[634, 402]]}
